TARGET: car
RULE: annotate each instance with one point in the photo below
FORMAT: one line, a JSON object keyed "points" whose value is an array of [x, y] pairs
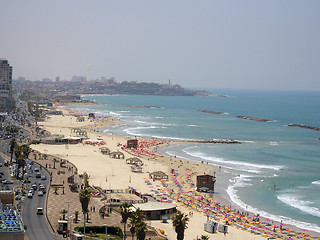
{"points": [[42, 189], [5, 181], [38, 175], [40, 193], [17, 197], [34, 186], [36, 170], [30, 195], [39, 211], [43, 177], [0, 164]]}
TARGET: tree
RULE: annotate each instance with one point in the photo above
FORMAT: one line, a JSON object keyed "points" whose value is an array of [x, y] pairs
{"points": [[179, 222], [133, 224], [56, 190], [203, 237], [21, 153], [76, 216], [12, 145], [137, 218], [141, 230], [84, 198], [64, 212], [54, 163], [125, 214]]}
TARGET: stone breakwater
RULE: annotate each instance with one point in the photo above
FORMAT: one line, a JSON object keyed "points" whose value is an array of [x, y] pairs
{"points": [[212, 112], [254, 119], [304, 126], [214, 141]]}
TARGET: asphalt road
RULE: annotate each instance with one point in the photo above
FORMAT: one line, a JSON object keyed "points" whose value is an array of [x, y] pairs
{"points": [[37, 225]]}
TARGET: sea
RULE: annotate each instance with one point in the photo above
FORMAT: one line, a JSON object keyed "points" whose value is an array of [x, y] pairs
{"points": [[274, 172]]}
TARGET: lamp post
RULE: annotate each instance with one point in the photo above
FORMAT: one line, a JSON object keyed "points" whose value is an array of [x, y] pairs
{"points": [[68, 219], [106, 230]]}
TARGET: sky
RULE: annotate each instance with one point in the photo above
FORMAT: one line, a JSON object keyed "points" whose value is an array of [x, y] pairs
{"points": [[267, 44]]}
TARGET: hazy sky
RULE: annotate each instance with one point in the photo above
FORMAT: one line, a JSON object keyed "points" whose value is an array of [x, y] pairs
{"points": [[268, 44]]}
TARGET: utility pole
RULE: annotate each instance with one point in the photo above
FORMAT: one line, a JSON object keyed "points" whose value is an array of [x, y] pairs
{"points": [[68, 219]]}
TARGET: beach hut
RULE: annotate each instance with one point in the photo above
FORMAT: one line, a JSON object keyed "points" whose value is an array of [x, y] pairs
{"points": [[205, 183], [105, 150], [136, 168], [157, 175], [117, 155], [134, 161]]}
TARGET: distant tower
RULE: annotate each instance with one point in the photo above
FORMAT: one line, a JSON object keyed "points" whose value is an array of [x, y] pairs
{"points": [[169, 82], [5, 85], [58, 79]]}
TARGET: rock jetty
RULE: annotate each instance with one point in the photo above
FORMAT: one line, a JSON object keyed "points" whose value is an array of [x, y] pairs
{"points": [[304, 126], [224, 141], [212, 112], [254, 119]]}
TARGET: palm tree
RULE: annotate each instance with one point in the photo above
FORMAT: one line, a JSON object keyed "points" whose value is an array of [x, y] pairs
{"points": [[125, 214], [54, 163], [76, 215], [64, 212], [203, 237], [12, 145], [21, 153], [141, 230], [179, 222], [138, 215], [56, 190], [133, 223], [84, 198]]}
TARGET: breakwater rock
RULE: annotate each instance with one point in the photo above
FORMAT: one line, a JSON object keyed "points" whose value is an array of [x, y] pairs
{"points": [[304, 126], [254, 119], [212, 112], [224, 141]]}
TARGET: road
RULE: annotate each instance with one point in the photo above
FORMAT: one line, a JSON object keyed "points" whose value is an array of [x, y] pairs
{"points": [[37, 225]]}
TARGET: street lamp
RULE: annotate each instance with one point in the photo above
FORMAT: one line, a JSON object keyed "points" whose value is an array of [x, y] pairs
{"points": [[68, 218], [106, 230]]}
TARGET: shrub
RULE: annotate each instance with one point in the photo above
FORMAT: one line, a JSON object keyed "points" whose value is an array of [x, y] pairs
{"points": [[101, 229]]}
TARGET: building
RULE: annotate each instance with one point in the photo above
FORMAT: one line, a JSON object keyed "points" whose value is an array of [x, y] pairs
{"points": [[205, 183], [5, 85], [154, 210], [11, 224]]}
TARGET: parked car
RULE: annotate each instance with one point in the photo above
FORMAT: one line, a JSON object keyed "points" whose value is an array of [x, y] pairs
{"points": [[43, 177], [40, 193], [30, 195], [5, 181]]}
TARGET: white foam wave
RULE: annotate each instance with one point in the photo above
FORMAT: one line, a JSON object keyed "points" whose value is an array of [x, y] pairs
{"points": [[234, 163], [232, 192], [274, 143], [191, 125], [296, 202], [316, 182]]}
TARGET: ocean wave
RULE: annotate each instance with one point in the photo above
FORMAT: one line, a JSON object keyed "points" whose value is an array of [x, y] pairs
{"points": [[192, 125], [296, 202], [234, 197], [316, 182], [234, 163], [273, 143]]}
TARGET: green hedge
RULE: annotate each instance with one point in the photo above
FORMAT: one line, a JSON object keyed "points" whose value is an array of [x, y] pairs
{"points": [[101, 229]]}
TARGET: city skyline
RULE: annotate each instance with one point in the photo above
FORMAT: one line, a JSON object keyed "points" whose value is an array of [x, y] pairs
{"points": [[248, 45]]}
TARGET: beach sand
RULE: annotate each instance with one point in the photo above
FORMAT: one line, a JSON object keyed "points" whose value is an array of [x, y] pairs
{"points": [[111, 173]]}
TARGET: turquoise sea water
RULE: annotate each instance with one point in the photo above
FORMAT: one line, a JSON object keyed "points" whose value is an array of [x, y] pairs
{"points": [[271, 153]]}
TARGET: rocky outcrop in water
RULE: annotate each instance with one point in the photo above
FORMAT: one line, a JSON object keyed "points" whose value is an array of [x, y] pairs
{"points": [[212, 112], [304, 126], [254, 119]]}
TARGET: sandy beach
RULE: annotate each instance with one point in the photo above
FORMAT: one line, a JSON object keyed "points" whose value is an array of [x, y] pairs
{"points": [[110, 173]]}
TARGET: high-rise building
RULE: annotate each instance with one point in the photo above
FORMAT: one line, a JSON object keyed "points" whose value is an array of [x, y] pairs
{"points": [[5, 85]]}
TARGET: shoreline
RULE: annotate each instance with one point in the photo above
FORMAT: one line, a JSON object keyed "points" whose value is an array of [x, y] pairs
{"points": [[187, 163]]}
